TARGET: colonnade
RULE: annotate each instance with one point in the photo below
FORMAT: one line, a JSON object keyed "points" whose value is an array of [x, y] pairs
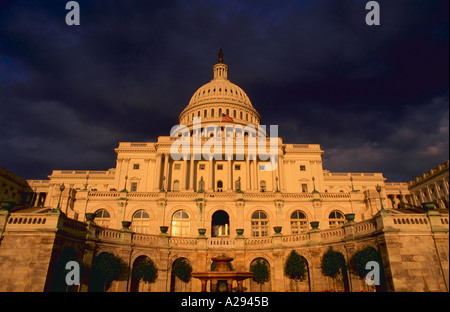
{"points": [[191, 177]]}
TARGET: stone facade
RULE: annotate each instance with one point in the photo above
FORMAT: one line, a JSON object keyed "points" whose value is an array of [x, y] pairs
{"points": [[413, 247], [277, 210]]}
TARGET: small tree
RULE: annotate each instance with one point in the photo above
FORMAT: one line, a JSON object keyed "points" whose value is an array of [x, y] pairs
{"points": [[145, 270], [359, 261], [333, 265], [261, 272], [105, 269], [295, 267], [183, 270]]}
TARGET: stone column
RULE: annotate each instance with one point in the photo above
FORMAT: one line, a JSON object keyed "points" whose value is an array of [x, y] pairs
{"points": [[184, 176], [445, 187], [166, 172], [157, 175], [255, 181], [274, 182], [247, 169], [210, 176], [280, 172], [230, 175], [191, 174], [147, 166], [430, 198]]}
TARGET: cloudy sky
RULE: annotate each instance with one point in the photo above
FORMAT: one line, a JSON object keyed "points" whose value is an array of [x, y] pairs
{"points": [[375, 98]]}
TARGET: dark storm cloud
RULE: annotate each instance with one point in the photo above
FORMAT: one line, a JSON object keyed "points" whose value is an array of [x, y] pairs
{"points": [[375, 98]]}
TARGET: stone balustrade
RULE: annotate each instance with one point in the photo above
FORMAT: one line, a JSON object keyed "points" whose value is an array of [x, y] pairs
{"points": [[33, 222]]}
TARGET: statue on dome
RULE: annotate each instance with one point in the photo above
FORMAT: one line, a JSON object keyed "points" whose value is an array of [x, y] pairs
{"points": [[220, 56]]}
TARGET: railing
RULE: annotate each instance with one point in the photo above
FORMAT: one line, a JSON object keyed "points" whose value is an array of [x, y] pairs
{"points": [[54, 221], [295, 238], [183, 241], [144, 239], [332, 233], [220, 242], [258, 241], [108, 234], [409, 220], [27, 220], [365, 227]]}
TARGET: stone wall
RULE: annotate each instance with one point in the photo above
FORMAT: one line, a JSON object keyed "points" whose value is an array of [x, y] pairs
{"points": [[414, 249]]}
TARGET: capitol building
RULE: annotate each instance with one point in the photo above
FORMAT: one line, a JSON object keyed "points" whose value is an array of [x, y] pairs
{"points": [[155, 206]]}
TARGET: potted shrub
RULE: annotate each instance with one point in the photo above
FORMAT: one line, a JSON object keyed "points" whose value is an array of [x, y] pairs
{"points": [[202, 232], [126, 224], [89, 217], [7, 205], [239, 232], [428, 206], [164, 229], [350, 217], [277, 229]]}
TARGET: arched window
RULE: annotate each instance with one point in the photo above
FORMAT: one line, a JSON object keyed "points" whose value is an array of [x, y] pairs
{"points": [[219, 186], [212, 112], [102, 218], [262, 186], [205, 114], [220, 224], [234, 113], [181, 225], [299, 222], [140, 222], [176, 186], [260, 224], [336, 219], [228, 112], [220, 112]]}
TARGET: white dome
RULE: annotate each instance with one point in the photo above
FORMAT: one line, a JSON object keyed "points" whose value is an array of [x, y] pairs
{"points": [[218, 99]]}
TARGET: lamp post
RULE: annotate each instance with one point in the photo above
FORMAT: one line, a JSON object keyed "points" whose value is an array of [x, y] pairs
{"points": [[379, 194], [86, 184], [61, 189], [125, 186], [163, 184]]}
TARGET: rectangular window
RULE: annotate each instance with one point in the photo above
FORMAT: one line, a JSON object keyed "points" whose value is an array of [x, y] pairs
{"points": [[133, 186], [136, 166], [219, 167], [304, 188], [177, 166], [302, 168], [262, 167], [237, 167], [201, 167]]}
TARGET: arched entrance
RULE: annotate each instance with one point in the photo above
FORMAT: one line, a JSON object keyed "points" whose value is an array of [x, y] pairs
{"points": [[261, 281], [180, 277], [58, 283], [143, 268], [220, 224]]}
